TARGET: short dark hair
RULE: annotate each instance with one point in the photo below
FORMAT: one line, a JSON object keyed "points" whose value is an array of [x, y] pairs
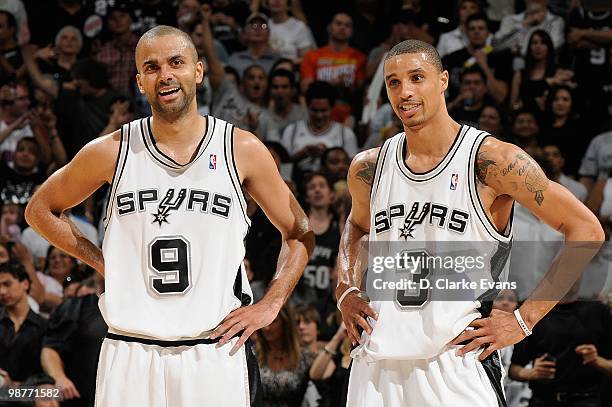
{"points": [[232, 71], [163, 30], [415, 47], [29, 139], [477, 17], [310, 176], [308, 313], [15, 269], [91, 71], [251, 67], [474, 69], [284, 74], [321, 90]]}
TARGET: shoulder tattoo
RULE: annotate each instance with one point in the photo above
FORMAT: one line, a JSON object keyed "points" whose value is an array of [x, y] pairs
{"points": [[366, 172], [521, 165]]}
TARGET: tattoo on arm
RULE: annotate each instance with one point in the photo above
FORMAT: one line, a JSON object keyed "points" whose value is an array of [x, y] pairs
{"points": [[523, 166], [482, 167], [366, 172]]}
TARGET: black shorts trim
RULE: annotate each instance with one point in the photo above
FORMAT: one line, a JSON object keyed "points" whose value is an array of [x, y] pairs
{"points": [[492, 365], [164, 344]]}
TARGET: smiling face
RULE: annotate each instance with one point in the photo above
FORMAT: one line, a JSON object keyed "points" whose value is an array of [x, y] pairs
{"points": [[168, 73], [415, 88]]}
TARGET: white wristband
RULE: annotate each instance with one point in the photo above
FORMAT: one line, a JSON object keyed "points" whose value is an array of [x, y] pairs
{"points": [[522, 323], [344, 294]]}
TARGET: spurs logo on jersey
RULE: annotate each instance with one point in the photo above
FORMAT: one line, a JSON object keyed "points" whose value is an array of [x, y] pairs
{"points": [[132, 202], [174, 238], [422, 209], [454, 220]]}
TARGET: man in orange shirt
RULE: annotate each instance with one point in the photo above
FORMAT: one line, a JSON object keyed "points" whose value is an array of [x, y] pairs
{"points": [[336, 63]]}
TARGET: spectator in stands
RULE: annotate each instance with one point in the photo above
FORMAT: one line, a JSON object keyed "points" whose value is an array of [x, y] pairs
{"points": [[516, 29], [525, 132], [282, 111], [457, 39], [283, 363], [187, 14], [404, 25], [17, 9], [336, 63], [590, 40], [289, 37], [17, 184], [18, 121], [472, 97], [21, 329], [597, 161], [496, 65], [492, 120], [308, 321], [306, 140], [256, 37], [316, 282], [71, 345], [150, 13], [530, 85], [58, 60], [565, 128], [335, 163], [555, 158], [82, 107], [11, 63], [227, 18], [118, 53], [228, 102], [331, 366], [11, 217], [60, 268], [571, 351]]}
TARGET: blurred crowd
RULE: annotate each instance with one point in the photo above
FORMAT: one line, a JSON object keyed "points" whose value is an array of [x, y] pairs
{"points": [[305, 77]]}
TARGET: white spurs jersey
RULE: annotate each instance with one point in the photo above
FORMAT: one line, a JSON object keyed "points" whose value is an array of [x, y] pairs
{"points": [[426, 209], [173, 244]]}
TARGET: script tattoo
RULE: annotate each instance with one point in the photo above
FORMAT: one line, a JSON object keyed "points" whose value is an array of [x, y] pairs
{"points": [[366, 172]]}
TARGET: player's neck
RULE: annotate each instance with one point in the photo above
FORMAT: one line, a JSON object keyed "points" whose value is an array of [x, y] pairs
{"points": [[19, 312], [434, 138], [177, 131]]}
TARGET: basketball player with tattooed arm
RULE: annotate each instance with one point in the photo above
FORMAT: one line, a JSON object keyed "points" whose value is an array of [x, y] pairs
{"points": [[463, 184], [177, 299]]}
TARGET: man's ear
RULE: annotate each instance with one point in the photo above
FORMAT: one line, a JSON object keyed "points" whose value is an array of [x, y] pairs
{"points": [[140, 87], [444, 80], [200, 72]]}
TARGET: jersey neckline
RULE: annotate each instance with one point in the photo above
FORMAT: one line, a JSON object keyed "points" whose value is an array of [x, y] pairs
{"points": [[159, 156], [427, 175]]}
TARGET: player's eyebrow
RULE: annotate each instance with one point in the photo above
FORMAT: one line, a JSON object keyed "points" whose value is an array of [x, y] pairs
{"points": [[411, 71], [149, 62]]}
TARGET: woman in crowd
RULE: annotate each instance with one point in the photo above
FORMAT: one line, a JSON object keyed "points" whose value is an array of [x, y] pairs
{"points": [[563, 127], [59, 271], [330, 368], [308, 322], [532, 82], [283, 363]]}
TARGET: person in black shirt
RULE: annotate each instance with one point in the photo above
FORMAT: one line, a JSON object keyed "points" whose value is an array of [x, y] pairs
{"points": [[570, 348], [21, 330], [17, 184], [315, 283], [472, 98], [496, 65], [72, 343]]}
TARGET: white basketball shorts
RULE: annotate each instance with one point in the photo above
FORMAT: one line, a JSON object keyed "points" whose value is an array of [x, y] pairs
{"points": [[445, 380], [145, 372]]}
